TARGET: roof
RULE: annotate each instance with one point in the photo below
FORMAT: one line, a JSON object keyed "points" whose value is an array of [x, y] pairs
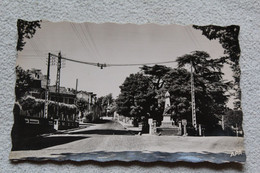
{"points": [[63, 90], [87, 93]]}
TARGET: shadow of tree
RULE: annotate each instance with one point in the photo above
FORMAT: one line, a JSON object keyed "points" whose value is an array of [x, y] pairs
{"points": [[38, 143]]}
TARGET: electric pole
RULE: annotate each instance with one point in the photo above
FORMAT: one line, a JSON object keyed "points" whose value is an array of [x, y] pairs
{"points": [[193, 106], [58, 83], [76, 85], [47, 88]]}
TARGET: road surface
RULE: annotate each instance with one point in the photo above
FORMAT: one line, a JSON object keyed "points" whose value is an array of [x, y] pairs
{"points": [[109, 140]]}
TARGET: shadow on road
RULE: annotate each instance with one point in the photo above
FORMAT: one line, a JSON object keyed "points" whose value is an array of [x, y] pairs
{"points": [[107, 132], [101, 121], [38, 143]]}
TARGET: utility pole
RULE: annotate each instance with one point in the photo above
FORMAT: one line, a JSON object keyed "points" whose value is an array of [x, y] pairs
{"points": [[76, 85], [193, 106], [58, 83], [76, 92], [47, 88]]}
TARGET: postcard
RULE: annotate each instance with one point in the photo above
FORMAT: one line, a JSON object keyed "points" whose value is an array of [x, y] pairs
{"points": [[127, 92]]}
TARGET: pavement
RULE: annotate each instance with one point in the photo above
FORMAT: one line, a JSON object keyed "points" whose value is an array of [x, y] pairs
{"points": [[97, 140], [129, 126]]}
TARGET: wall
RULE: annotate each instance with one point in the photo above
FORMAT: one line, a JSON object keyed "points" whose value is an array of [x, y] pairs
{"points": [[200, 12]]}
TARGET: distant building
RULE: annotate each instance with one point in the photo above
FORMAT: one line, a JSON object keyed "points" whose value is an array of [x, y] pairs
{"points": [[92, 108], [38, 85], [65, 95], [39, 80]]}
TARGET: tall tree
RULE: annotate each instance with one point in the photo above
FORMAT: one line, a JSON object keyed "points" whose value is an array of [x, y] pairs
{"points": [[137, 99], [107, 100], [228, 38], [210, 89], [106, 103], [134, 93], [25, 29], [156, 73], [177, 83]]}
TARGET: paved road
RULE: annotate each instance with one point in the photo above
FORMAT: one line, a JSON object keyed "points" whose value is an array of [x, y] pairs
{"points": [[109, 140], [105, 127]]}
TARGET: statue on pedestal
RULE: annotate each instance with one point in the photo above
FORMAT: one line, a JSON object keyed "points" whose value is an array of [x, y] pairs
{"points": [[167, 127], [166, 115]]}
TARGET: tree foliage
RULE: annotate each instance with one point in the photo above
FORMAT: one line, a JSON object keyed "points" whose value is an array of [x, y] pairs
{"points": [[34, 106], [81, 104], [233, 118], [23, 82], [138, 99], [107, 104], [228, 38], [143, 94], [210, 89], [134, 93], [156, 74], [25, 29]]}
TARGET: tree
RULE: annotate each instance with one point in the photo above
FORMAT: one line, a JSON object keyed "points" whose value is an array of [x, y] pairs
{"points": [[133, 94], [107, 104], [210, 89], [23, 82], [202, 64], [82, 105], [233, 118], [136, 98], [107, 100], [25, 29], [156, 73], [177, 83], [228, 38]]}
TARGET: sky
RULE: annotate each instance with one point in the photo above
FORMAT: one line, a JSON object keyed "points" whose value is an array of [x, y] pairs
{"points": [[112, 44]]}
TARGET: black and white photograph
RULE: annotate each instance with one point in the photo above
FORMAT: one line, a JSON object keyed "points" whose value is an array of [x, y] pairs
{"points": [[127, 92]]}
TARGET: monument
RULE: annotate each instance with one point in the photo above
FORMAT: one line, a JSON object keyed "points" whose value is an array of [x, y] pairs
{"points": [[168, 127], [167, 116]]}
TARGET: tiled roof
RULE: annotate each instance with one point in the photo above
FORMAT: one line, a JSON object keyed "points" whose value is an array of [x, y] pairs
{"points": [[63, 90]]}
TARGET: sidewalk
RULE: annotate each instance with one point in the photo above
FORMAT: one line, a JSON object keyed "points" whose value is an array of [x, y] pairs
{"points": [[129, 126]]}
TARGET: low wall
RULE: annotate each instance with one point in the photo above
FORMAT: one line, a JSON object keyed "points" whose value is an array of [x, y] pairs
{"points": [[63, 125]]}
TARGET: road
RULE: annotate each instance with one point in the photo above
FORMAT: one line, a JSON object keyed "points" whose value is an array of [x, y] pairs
{"points": [[109, 140]]}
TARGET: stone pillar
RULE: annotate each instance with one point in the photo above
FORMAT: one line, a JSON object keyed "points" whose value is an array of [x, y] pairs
{"points": [[180, 128], [200, 130], [184, 123], [150, 122]]}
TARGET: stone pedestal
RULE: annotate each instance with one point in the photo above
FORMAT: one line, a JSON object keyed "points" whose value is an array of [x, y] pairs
{"points": [[167, 122], [167, 127]]}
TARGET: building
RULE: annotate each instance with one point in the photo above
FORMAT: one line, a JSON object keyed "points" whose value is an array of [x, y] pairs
{"points": [[39, 84], [61, 105], [92, 111], [65, 95]]}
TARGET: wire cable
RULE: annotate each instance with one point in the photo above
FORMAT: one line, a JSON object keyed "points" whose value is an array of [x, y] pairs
{"points": [[112, 65]]}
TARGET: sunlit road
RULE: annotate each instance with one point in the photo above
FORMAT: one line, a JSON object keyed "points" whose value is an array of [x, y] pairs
{"points": [[109, 140], [105, 127]]}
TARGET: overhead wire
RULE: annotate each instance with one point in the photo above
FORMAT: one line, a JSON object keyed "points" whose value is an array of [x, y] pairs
{"points": [[87, 42], [151, 63], [112, 65], [92, 41], [75, 30]]}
